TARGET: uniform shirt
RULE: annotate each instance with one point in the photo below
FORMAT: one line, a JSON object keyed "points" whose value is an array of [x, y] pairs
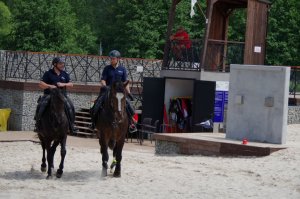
{"points": [[50, 77], [111, 74]]}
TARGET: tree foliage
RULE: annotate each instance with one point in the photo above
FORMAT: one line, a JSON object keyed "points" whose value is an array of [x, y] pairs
{"points": [[5, 21], [283, 41], [137, 28], [48, 25]]}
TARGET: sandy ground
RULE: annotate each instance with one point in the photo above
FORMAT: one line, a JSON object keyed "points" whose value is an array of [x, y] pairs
{"points": [[146, 175]]}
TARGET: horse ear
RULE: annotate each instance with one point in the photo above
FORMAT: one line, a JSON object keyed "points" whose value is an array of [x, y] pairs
{"points": [[126, 83]]}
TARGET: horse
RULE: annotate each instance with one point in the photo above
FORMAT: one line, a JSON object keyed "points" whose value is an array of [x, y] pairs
{"points": [[53, 131], [112, 125]]}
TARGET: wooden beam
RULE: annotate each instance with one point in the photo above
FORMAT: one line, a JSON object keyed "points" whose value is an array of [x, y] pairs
{"points": [[209, 14], [171, 17]]}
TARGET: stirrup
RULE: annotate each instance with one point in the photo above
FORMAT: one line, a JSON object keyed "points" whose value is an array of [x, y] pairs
{"points": [[132, 128]]}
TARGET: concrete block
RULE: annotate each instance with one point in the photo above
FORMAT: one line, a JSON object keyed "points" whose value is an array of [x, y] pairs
{"points": [[262, 117]]}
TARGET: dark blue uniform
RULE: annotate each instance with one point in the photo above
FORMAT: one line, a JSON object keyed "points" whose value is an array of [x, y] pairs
{"points": [[111, 74], [50, 77]]}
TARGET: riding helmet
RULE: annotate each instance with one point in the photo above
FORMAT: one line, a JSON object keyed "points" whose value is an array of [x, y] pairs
{"points": [[114, 53], [57, 60]]}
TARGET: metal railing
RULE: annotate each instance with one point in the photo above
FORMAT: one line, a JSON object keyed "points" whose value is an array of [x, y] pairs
{"points": [[185, 57], [219, 55], [294, 81]]}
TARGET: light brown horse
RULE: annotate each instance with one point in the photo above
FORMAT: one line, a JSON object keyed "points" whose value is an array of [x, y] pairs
{"points": [[112, 125], [54, 128]]}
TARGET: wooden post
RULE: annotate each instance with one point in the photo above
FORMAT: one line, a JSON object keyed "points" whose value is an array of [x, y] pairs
{"points": [[210, 4]]}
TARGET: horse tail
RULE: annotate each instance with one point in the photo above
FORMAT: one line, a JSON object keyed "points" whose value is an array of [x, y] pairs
{"points": [[112, 144]]}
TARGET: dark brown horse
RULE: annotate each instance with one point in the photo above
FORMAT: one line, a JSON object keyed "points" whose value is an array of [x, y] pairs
{"points": [[112, 125], [53, 131]]}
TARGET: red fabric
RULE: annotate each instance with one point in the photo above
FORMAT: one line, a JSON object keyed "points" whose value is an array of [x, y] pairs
{"points": [[136, 117], [166, 121], [184, 108], [183, 38]]}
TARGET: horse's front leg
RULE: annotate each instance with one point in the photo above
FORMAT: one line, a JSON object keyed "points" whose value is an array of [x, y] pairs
{"points": [[50, 156], [49, 160], [113, 163], [52, 152], [104, 152], [118, 148], [43, 165], [63, 153]]}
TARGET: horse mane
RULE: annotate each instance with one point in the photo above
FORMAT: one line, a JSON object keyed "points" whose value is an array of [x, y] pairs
{"points": [[54, 120]]}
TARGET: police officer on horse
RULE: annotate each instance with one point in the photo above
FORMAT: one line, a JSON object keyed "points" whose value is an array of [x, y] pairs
{"points": [[55, 78], [113, 72]]}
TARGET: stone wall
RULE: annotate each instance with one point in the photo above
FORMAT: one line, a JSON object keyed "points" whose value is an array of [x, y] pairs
{"points": [[21, 98], [294, 115], [13, 99], [23, 105]]}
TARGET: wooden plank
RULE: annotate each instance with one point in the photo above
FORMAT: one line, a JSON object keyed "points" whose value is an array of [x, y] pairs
{"points": [[211, 144], [82, 117], [83, 122]]}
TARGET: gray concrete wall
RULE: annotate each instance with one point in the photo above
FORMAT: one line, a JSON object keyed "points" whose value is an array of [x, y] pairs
{"points": [[258, 103]]}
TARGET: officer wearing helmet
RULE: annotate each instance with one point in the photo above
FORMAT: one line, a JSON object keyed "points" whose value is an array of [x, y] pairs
{"points": [[113, 72], [55, 77]]}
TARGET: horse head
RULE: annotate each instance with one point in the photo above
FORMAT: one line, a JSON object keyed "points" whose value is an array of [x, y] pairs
{"points": [[57, 99], [118, 97]]}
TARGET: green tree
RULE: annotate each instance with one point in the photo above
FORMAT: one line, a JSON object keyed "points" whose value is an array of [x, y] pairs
{"points": [[48, 25], [5, 22], [283, 41], [138, 28]]}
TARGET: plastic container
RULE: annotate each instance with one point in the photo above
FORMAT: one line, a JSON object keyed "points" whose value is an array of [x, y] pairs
{"points": [[4, 116]]}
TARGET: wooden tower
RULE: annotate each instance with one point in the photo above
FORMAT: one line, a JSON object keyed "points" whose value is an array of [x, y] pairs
{"points": [[214, 55]]}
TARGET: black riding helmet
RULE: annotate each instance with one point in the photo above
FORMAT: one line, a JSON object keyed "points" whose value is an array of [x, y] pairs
{"points": [[57, 60], [114, 53]]}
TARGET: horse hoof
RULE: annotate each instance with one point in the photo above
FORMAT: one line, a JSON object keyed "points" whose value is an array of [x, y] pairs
{"points": [[43, 169], [59, 173], [49, 177], [117, 174], [104, 173]]}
